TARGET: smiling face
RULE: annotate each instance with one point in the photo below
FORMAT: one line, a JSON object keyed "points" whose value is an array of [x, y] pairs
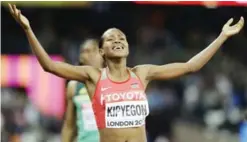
{"points": [[114, 44]]}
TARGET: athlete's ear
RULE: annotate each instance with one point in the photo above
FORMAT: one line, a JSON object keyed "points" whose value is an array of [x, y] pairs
{"points": [[101, 52]]}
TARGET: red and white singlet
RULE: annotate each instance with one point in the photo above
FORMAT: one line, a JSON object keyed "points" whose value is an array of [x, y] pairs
{"points": [[120, 104]]}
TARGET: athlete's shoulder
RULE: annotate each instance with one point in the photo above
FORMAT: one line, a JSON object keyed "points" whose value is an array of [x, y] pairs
{"points": [[71, 83], [94, 69], [95, 74], [91, 70], [142, 71], [71, 87], [141, 68]]}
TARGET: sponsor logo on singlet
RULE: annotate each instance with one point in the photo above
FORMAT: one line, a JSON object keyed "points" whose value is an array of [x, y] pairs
{"points": [[125, 109]]}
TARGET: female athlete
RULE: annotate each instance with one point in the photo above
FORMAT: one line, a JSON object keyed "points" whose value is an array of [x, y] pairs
{"points": [[118, 92], [79, 124]]}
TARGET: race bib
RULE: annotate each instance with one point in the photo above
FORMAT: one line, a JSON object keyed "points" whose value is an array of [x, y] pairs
{"points": [[88, 117], [126, 114]]}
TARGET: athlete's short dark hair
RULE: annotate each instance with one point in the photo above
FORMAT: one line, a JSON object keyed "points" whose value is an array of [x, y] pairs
{"points": [[101, 41]]}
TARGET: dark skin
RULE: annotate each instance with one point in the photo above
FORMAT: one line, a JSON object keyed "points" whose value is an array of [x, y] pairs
{"points": [[89, 55], [115, 49], [69, 130]]}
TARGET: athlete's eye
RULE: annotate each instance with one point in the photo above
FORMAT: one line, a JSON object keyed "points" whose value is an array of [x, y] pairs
{"points": [[109, 39]]}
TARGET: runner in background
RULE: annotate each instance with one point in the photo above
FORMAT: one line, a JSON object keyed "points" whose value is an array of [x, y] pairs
{"points": [[79, 120]]}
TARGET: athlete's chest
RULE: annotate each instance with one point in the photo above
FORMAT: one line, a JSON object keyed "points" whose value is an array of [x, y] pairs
{"points": [[112, 93]]}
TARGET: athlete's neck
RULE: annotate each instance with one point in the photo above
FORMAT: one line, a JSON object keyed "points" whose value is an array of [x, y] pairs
{"points": [[117, 69]]}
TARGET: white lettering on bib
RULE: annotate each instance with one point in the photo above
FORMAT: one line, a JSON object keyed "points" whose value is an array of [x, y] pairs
{"points": [[88, 117], [126, 114], [126, 96]]}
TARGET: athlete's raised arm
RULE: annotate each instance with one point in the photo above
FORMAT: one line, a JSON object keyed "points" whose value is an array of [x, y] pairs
{"points": [[61, 69], [155, 72], [69, 125]]}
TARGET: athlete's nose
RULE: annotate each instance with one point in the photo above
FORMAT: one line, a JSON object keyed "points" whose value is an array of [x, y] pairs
{"points": [[117, 41]]}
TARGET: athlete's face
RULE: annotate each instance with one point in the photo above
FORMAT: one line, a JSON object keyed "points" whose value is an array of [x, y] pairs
{"points": [[89, 54], [114, 44]]}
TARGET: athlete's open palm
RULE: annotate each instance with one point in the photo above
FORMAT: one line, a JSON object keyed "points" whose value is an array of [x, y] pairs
{"points": [[234, 29], [21, 19]]}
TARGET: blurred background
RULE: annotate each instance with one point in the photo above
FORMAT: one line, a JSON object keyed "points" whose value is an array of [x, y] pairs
{"points": [[206, 106]]}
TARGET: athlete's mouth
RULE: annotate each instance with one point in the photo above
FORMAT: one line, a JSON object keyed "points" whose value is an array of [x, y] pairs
{"points": [[118, 47]]}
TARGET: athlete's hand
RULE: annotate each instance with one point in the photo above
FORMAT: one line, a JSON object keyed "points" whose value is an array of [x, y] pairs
{"points": [[21, 19], [229, 31]]}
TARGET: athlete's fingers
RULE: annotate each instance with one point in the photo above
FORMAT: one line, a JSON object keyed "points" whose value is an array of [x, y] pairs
{"points": [[15, 10], [10, 9], [229, 22], [241, 22], [19, 14]]}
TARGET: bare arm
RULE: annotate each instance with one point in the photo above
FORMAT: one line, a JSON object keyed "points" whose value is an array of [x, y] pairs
{"points": [[61, 69], [69, 125], [154, 72], [58, 68]]}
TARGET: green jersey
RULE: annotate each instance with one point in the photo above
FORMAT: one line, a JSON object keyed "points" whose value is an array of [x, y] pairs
{"points": [[86, 124]]}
